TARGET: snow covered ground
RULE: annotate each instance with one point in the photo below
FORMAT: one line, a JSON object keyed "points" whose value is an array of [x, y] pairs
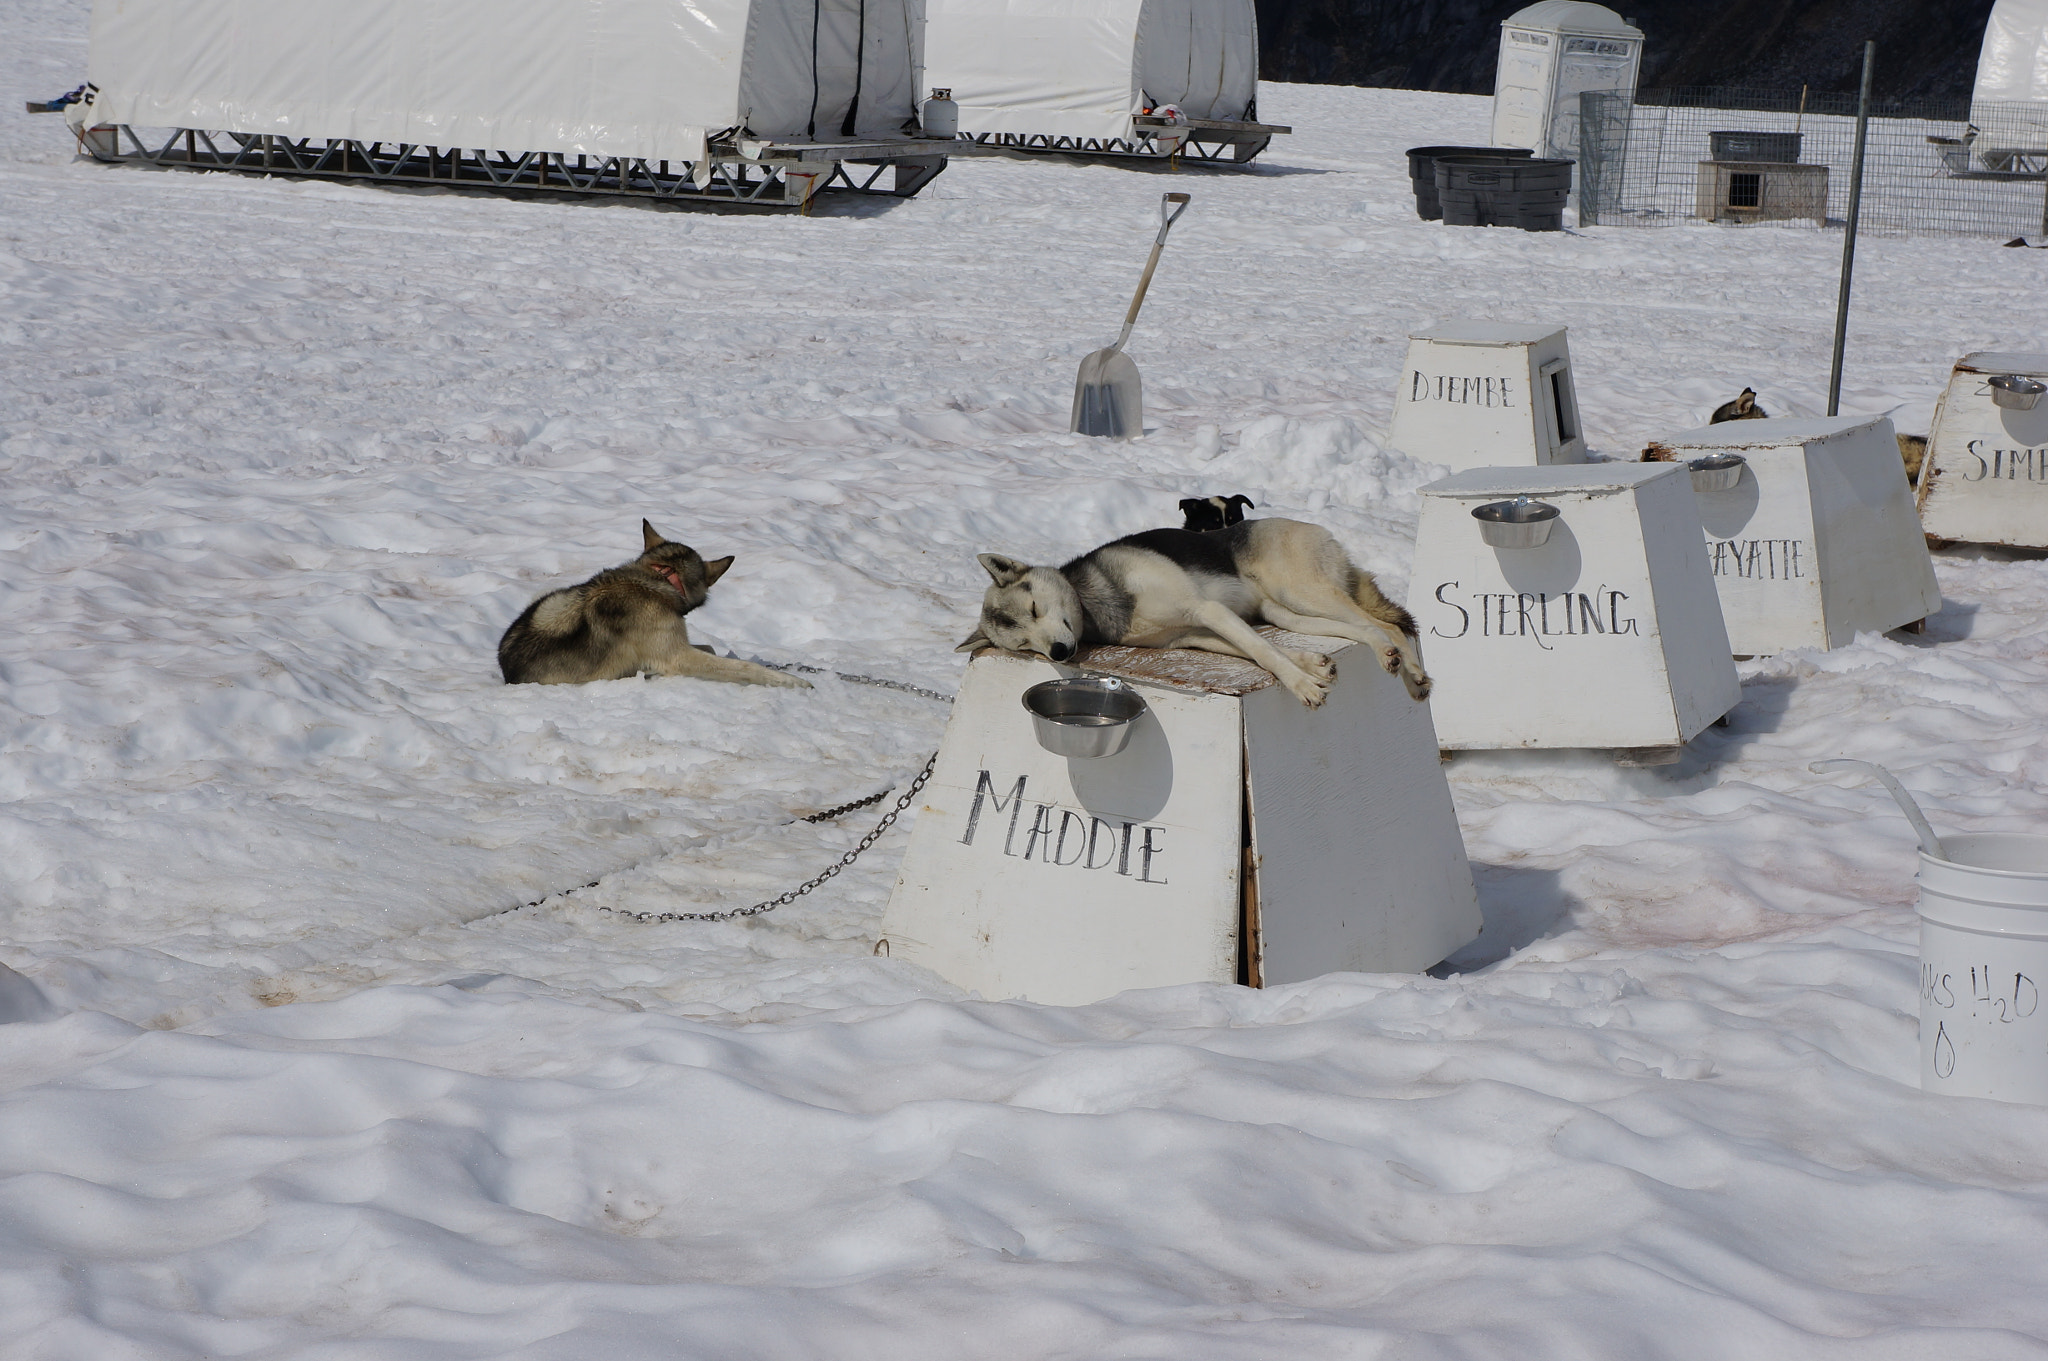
{"points": [[286, 1078]]}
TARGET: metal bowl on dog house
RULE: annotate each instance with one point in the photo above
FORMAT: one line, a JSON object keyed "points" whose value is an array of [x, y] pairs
{"points": [[1606, 634], [1985, 476], [1237, 836], [1479, 394], [1814, 540]]}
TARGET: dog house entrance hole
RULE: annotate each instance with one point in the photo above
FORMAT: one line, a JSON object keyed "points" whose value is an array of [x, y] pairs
{"points": [[1563, 405], [1745, 190]]}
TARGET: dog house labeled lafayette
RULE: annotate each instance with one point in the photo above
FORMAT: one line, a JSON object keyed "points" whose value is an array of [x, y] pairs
{"points": [[1550, 54], [763, 101], [1035, 76], [1238, 837], [1607, 634], [1479, 394], [1816, 541], [1985, 476]]}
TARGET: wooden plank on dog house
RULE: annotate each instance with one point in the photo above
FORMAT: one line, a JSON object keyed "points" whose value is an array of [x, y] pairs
{"points": [[1817, 541], [1608, 635], [1068, 880], [1477, 394], [1985, 476]]}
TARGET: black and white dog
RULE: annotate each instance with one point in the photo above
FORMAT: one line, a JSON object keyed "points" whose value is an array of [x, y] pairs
{"points": [[1177, 588], [1206, 514]]}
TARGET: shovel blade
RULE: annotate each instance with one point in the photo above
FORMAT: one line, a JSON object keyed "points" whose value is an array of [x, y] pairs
{"points": [[1109, 398]]}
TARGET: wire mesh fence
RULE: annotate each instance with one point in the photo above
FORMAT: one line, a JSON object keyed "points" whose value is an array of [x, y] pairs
{"points": [[1783, 157]]}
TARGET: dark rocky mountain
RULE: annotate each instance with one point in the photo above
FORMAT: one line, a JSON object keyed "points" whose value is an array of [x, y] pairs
{"points": [[1924, 47]]}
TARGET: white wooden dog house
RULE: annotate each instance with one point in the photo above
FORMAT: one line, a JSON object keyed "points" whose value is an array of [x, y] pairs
{"points": [[1607, 635], [1985, 477], [1238, 837], [1817, 541], [1550, 54], [1480, 394]]}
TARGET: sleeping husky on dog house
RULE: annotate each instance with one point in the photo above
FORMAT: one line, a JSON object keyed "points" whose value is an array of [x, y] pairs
{"points": [[1175, 588]]}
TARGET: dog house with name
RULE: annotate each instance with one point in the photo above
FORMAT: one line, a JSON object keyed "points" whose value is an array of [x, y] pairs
{"points": [[1239, 836], [1985, 477], [1479, 394], [1816, 540], [1607, 633]]}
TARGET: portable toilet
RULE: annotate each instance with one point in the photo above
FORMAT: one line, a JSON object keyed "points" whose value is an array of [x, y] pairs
{"points": [[2009, 102], [1985, 476], [1483, 394], [1238, 836], [1550, 54]]}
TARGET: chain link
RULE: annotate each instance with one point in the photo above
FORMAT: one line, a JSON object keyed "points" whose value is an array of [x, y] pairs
{"points": [[877, 681], [733, 914]]}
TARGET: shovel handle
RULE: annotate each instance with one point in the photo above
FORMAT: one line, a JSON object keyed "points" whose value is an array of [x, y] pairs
{"points": [[1166, 221]]}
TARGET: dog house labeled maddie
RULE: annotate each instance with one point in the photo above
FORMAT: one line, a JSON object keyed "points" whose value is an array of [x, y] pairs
{"points": [[761, 101], [1811, 534], [1033, 76], [1479, 394], [1581, 616], [1985, 476], [1238, 836]]}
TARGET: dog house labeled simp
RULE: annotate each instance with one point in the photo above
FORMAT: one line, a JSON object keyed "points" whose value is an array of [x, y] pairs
{"points": [[1479, 394], [1985, 477], [1606, 633], [1815, 540], [1239, 836], [1550, 54], [762, 101], [1034, 76]]}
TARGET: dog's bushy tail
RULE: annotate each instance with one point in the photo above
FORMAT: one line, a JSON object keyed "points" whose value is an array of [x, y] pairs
{"points": [[1366, 592]]}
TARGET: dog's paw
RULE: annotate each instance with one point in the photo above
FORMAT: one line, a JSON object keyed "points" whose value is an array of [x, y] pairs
{"points": [[1316, 664], [1310, 690], [788, 682], [1419, 685]]}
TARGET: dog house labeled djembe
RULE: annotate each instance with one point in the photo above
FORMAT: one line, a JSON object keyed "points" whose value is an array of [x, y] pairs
{"points": [[1570, 607], [1478, 394], [1811, 534], [1985, 476], [1238, 836]]}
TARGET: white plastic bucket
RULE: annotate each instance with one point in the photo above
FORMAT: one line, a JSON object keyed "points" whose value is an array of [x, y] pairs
{"points": [[1983, 965]]}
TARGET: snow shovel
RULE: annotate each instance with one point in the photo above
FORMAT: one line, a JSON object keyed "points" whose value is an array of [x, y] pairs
{"points": [[1109, 399]]}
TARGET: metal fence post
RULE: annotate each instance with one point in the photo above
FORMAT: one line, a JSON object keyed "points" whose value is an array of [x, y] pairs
{"points": [[1849, 236]]}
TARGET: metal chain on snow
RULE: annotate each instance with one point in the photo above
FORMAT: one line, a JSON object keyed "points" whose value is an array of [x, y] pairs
{"points": [[876, 681], [732, 914]]}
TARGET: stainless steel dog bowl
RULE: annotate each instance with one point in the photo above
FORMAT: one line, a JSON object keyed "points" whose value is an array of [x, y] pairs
{"points": [[1520, 523], [1084, 715], [2015, 392], [1716, 472]]}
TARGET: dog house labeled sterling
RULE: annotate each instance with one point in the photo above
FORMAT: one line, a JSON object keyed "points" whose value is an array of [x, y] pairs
{"points": [[756, 101], [1237, 836], [1605, 633], [1550, 54], [1985, 477], [1478, 394], [1814, 540]]}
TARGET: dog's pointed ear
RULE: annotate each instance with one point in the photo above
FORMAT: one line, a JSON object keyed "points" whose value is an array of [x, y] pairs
{"points": [[650, 537], [1190, 504], [975, 643], [716, 569], [1003, 571], [1244, 501]]}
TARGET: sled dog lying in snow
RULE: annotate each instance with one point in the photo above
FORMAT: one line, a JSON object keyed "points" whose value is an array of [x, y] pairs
{"points": [[1204, 514], [624, 621], [1743, 408], [1175, 588]]}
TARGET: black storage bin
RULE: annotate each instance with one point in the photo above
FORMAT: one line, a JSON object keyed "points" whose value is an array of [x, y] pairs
{"points": [[1422, 171], [1777, 148], [1528, 194]]}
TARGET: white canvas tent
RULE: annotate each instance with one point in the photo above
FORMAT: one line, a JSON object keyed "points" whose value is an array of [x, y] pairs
{"points": [[2009, 105], [659, 81], [1084, 75]]}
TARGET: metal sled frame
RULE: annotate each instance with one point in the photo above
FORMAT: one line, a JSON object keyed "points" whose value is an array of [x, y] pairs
{"points": [[757, 173], [1209, 139]]}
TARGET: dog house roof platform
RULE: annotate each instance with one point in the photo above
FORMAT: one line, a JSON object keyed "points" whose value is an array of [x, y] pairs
{"points": [[1985, 477], [1238, 837], [1478, 394], [1607, 635], [1031, 76], [1550, 54], [1817, 540], [760, 101]]}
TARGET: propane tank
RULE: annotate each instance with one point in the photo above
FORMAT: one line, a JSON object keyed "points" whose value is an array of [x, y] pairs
{"points": [[941, 115]]}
